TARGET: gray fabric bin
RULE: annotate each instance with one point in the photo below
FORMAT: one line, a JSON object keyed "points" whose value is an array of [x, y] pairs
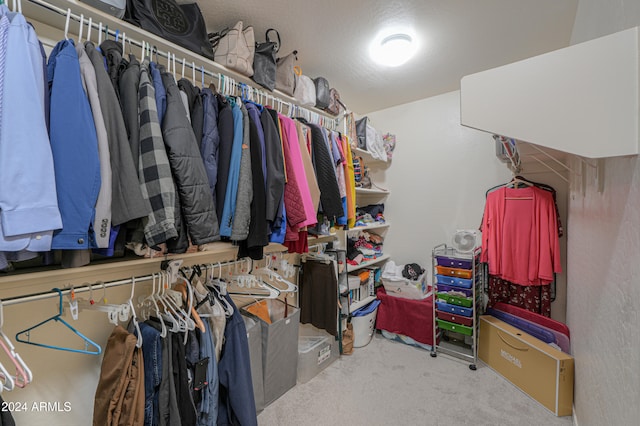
{"points": [[254, 338], [279, 349]]}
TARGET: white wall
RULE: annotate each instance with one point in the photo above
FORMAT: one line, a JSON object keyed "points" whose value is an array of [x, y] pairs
{"points": [[438, 176], [604, 248]]}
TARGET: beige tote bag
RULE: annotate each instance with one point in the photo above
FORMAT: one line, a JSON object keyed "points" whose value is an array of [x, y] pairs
{"points": [[236, 49]]}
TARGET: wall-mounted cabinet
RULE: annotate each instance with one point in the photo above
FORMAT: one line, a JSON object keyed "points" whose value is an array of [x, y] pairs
{"points": [[582, 99]]}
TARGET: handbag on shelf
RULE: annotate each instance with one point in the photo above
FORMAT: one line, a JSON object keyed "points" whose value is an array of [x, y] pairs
{"points": [[234, 48], [361, 132], [285, 73], [264, 61], [181, 24], [323, 97], [305, 91], [335, 104]]}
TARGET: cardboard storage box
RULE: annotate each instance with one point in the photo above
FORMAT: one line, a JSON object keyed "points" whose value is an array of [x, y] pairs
{"points": [[539, 370]]}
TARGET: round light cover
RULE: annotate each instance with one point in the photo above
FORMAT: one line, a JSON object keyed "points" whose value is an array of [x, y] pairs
{"points": [[393, 49]]}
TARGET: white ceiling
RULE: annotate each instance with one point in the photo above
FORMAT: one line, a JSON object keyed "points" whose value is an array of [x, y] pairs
{"points": [[457, 37]]}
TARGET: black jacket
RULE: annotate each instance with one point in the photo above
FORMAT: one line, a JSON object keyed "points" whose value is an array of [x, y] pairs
{"points": [[128, 87], [195, 107], [275, 167], [225, 130], [258, 229], [325, 174], [196, 202]]}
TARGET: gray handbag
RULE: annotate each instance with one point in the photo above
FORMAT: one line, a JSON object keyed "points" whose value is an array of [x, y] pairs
{"points": [[323, 96], [285, 74], [264, 61]]}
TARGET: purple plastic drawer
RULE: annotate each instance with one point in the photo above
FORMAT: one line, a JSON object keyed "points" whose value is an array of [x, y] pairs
{"points": [[453, 262], [447, 288]]}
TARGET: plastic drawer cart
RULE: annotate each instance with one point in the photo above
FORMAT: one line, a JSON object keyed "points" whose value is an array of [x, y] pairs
{"points": [[457, 303]]}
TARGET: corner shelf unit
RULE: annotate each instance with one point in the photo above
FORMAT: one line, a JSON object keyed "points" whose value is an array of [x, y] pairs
{"points": [[457, 303]]}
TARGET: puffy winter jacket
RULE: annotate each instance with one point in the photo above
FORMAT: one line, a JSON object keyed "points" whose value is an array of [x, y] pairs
{"points": [[188, 170]]}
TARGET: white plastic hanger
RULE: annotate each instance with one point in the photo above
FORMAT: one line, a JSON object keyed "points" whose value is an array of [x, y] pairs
{"points": [[172, 315], [81, 29], [134, 317], [186, 323], [115, 313], [90, 26], [23, 375], [150, 301], [66, 24], [218, 288]]}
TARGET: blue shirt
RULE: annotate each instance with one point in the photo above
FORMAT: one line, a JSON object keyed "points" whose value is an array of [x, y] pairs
{"points": [[74, 145], [229, 209], [28, 203], [161, 94]]}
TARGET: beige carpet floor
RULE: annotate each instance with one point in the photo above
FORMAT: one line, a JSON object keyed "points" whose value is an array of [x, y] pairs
{"points": [[390, 383]]}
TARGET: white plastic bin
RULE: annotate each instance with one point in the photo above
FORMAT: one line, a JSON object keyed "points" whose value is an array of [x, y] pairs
{"points": [[363, 328], [317, 349]]}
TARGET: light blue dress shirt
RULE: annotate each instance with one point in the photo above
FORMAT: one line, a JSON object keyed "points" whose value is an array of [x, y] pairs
{"points": [[28, 201]]}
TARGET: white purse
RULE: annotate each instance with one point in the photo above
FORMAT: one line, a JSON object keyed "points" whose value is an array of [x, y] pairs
{"points": [[305, 91]]}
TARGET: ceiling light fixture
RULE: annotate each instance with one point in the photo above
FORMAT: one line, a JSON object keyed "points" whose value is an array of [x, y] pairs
{"points": [[393, 49]]}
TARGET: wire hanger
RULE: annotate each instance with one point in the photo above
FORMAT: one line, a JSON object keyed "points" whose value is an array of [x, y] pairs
{"points": [[23, 374], [88, 343]]}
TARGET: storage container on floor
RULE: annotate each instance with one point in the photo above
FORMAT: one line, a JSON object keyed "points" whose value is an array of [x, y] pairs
{"points": [[317, 349], [364, 325], [279, 346], [254, 338]]}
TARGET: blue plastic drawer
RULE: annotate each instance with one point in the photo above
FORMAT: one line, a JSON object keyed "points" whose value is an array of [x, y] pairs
{"points": [[453, 309], [453, 262], [458, 282]]}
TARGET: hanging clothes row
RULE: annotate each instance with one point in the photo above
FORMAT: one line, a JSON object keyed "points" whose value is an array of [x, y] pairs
{"points": [[127, 155], [162, 371], [520, 242]]}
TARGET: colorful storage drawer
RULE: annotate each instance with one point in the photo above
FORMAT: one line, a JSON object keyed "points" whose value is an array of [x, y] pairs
{"points": [[454, 272], [453, 309], [455, 300], [458, 282], [447, 288], [455, 318], [446, 325], [453, 262]]}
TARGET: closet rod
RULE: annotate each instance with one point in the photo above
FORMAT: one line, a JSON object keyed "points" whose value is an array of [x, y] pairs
{"points": [[313, 116], [84, 288]]}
